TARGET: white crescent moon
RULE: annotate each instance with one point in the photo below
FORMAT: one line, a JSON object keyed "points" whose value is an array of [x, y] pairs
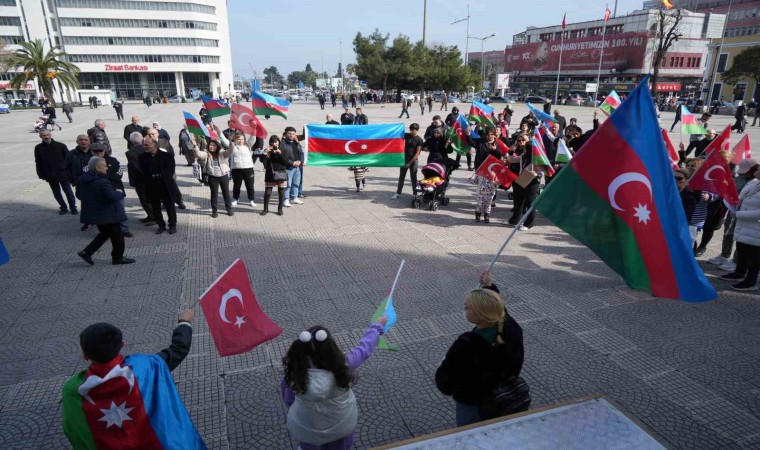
{"points": [[93, 381], [225, 298], [244, 122], [707, 174], [347, 149], [491, 165], [725, 145], [621, 180]]}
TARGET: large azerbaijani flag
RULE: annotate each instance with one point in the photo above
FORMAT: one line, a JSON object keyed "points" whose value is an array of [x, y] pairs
{"points": [[215, 107], [610, 103], [690, 123], [458, 135], [267, 105], [482, 114], [128, 403], [379, 145], [622, 204]]}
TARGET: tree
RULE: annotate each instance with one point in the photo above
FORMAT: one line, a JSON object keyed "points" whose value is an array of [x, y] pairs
{"points": [[274, 76], [447, 71], [5, 53], [308, 68], [34, 63], [668, 32], [339, 73], [371, 64], [746, 65]]}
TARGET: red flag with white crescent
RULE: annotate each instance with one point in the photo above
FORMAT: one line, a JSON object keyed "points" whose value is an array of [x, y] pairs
{"points": [[742, 150], [235, 320], [244, 119], [496, 171], [714, 176]]}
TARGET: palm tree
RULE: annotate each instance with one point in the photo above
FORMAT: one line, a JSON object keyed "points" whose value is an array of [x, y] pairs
{"points": [[34, 62]]}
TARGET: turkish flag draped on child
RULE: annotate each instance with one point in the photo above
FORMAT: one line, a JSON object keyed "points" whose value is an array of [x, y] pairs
{"points": [[496, 171], [234, 317]]}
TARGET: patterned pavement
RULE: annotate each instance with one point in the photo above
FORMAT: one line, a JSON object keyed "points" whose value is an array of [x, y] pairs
{"points": [[689, 372]]}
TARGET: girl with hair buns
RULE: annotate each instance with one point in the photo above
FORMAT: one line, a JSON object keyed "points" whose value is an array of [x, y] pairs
{"points": [[483, 358], [316, 386]]}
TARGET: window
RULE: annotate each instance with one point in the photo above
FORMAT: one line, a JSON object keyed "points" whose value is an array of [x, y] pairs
{"points": [[11, 40], [132, 59], [545, 37], [594, 31], [7, 2], [135, 41], [10, 21], [722, 62], [740, 89], [131, 4]]}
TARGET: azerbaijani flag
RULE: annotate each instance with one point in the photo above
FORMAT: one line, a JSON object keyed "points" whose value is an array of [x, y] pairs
{"points": [[215, 107], [377, 145], [563, 153], [539, 157], [672, 153], [458, 136], [610, 103], [128, 403], [547, 119], [621, 204], [482, 114], [385, 308], [196, 127], [265, 104], [4, 256], [690, 123]]}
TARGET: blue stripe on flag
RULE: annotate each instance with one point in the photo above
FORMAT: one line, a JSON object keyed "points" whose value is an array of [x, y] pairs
{"points": [[542, 116], [390, 313], [270, 99], [487, 109], [4, 256], [376, 131]]}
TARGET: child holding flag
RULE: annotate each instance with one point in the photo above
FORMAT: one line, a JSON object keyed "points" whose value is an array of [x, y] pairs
{"points": [[316, 387]]}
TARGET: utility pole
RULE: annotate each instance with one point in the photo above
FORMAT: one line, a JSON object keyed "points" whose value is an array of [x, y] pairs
{"points": [[467, 34], [482, 53], [424, 20], [342, 81]]}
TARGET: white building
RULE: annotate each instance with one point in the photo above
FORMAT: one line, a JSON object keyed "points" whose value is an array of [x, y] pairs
{"points": [[132, 48]]}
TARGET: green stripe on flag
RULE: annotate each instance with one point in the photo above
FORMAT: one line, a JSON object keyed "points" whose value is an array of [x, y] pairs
{"points": [[269, 112], [580, 212], [218, 112], [693, 128], [607, 108], [74, 421], [345, 160]]}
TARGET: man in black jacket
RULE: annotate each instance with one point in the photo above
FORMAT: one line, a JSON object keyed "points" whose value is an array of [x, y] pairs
{"points": [[114, 174], [158, 168], [98, 135], [50, 161], [131, 128], [137, 178], [50, 111], [293, 148], [562, 122], [360, 118], [347, 118], [76, 160]]}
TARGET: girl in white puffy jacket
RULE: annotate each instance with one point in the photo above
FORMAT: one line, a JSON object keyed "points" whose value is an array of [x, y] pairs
{"points": [[747, 236]]}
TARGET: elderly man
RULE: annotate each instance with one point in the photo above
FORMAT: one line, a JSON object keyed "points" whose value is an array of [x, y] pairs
{"points": [[330, 120], [158, 169], [137, 178], [97, 134], [166, 147], [50, 162], [161, 132], [131, 128], [114, 174], [100, 206], [347, 118]]}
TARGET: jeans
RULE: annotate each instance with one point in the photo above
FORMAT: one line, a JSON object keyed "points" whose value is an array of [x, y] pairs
{"points": [[238, 177], [158, 194], [748, 261], [412, 175], [214, 183], [468, 414], [56, 186], [124, 224], [300, 184], [404, 111], [294, 180], [108, 231], [68, 116]]}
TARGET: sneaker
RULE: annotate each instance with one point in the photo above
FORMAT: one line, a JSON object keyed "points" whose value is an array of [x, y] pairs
{"points": [[732, 276], [302, 196], [117, 262], [253, 204], [395, 196], [286, 203], [296, 201], [523, 228], [87, 258], [700, 251], [729, 266], [743, 286], [234, 202], [717, 261]]}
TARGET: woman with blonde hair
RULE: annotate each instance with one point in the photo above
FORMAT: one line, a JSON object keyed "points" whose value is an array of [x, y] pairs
{"points": [[484, 359]]}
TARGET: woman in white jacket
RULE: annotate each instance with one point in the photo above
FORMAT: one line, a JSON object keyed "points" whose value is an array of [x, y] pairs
{"points": [[747, 236], [241, 168]]}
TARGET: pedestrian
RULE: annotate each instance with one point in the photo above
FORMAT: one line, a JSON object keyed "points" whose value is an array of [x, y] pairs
{"points": [[436, 123], [344, 101], [485, 358], [293, 149], [138, 388], [241, 168], [321, 98], [347, 118], [114, 174], [438, 148], [98, 135], [133, 126], [412, 148], [520, 158], [216, 170], [444, 102], [677, 118], [561, 121], [755, 110], [359, 177], [739, 115], [452, 117], [119, 108], [89, 100], [422, 106], [163, 134], [333, 99], [50, 163], [68, 109], [430, 103], [158, 168], [51, 120], [747, 236], [548, 106], [404, 107], [137, 178], [508, 112], [316, 386], [360, 118], [102, 205], [231, 131], [353, 100], [186, 146], [275, 174], [484, 147], [330, 121], [148, 101]]}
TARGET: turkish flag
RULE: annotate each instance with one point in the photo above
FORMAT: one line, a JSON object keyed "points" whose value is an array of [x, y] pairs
{"points": [[672, 153], [244, 119], [722, 143], [234, 317], [742, 150], [496, 171], [503, 148], [714, 176]]}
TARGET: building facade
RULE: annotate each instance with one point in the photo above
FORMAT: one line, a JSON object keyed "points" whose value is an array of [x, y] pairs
{"points": [[627, 55], [131, 48]]}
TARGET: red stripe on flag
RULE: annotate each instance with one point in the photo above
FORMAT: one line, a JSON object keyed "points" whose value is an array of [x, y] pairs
{"points": [[355, 146]]}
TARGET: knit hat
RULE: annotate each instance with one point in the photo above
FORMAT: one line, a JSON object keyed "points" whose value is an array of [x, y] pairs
{"points": [[745, 165], [97, 146]]}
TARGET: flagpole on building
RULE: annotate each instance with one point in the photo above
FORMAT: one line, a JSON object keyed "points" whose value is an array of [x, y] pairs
{"points": [[559, 68], [601, 55]]}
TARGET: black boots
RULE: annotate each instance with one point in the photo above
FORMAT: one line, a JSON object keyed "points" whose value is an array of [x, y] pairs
{"points": [[281, 194], [477, 217], [267, 196], [485, 218]]}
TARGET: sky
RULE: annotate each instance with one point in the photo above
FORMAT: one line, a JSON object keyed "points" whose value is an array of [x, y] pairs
{"points": [[291, 33]]}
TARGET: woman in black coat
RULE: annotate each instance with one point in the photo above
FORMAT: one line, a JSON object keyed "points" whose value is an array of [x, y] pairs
{"points": [[483, 358], [276, 162], [438, 148]]}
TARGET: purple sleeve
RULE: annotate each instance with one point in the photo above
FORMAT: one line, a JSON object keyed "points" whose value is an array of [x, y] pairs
{"points": [[367, 344], [287, 395]]}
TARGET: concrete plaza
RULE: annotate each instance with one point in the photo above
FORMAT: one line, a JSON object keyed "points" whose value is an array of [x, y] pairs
{"points": [[689, 372]]}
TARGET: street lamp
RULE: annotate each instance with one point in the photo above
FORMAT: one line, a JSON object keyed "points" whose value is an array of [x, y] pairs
{"points": [[467, 33], [482, 52]]}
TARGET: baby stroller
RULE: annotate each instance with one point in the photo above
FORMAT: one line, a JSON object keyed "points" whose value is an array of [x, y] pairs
{"points": [[41, 123], [432, 189]]}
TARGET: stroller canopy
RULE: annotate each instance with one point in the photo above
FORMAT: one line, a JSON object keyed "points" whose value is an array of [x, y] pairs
{"points": [[434, 169]]}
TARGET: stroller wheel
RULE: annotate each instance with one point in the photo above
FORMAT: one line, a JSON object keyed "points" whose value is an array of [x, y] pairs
{"points": [[416, 203], [434, 205], [445, 201]]}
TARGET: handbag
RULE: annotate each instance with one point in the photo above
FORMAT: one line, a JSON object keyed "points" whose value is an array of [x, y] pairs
{"points": [[197, 173], [511, 397], [279, 176]]}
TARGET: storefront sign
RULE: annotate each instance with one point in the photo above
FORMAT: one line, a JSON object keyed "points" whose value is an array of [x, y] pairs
{"points": [[502, 81], [668, 87], [621, 51], [125, 68], [591, 87], [7, 85]]}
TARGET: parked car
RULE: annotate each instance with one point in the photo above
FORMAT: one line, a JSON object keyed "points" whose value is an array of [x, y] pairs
{"points": [[5, 108], [727, 108], [176, 99], [576, 100], [535, 99], [453, 99], [500, 99], [20, 102]]}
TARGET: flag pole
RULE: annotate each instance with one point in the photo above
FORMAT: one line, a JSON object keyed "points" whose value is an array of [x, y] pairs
{"points": [[509, 238], [601, 55], [398, 274], [559, 68]]}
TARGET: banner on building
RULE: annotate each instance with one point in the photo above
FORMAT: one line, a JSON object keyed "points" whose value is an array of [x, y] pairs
{"points": [[502, 81]]}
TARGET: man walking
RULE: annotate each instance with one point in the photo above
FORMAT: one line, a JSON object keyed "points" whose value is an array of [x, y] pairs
{"points": [[68, 110], [101, 206], [137, 178], [131, 128], [119, 108], [158, 168], [405, 107], [412, 148], [360, 118], [444, 102], [98, 135], [321, 98], [333, 98], [50, 162], [114, 174], [50, 112]]}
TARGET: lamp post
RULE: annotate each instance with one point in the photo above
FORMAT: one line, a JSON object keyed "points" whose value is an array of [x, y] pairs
{"points": [[467, 33], [482, 52]]}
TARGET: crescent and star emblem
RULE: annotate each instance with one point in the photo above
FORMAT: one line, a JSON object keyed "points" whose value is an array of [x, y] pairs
{"points": [[709, 171], [347, 147], [642, 212], [232, 293], [94, 381]]}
